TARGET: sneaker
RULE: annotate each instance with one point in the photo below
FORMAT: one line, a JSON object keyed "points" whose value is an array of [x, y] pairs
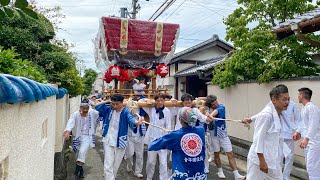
{"points": [[239, 176], [206, 171], [221, 175], [138, 175]]}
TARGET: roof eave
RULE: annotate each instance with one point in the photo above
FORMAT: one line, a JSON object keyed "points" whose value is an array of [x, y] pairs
{"points": [[301, 25]]}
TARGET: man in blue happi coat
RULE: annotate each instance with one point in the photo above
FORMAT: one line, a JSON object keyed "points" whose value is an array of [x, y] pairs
{"points": [[117, 119], [187, 145]]}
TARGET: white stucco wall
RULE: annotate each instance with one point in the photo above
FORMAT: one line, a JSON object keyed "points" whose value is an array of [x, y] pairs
{"points": [[206, 54], [74, 105], [30, 153], [247, 99], [99, 83], [182, 66], [172, 69], [61, 121]]}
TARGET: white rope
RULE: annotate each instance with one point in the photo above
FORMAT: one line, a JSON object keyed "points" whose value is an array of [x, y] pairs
{"points": [[134, 109], [234, 120]]}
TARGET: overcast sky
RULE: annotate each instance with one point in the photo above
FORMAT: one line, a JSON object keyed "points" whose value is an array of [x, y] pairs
{"points": [[198, 19]]}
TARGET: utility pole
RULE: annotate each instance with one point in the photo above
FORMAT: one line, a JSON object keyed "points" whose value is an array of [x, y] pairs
{"points": [[123, 12], [135, 8]]}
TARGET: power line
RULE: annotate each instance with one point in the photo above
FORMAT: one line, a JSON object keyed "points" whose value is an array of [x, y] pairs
{"points": [[158, 9], [204, 29], [207, 8], [192, 6], [204, 19], [175, 10], [192, 39], [162, 11], [218, 4], [173, 1]]}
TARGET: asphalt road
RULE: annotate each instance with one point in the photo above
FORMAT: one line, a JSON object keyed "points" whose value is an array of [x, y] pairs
{"points": [[93, 167]]}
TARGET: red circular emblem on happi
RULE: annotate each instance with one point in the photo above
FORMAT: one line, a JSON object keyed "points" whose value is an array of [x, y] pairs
{"points": [[191, 144]]}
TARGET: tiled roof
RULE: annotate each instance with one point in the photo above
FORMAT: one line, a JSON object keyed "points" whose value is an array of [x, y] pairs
{"points": [[302, 18], [202, 66], [15, 89], [198, 46]]}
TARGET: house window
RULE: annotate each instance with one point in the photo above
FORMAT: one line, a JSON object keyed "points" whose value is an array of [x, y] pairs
{"points": [[4, 166], [44, 132]]}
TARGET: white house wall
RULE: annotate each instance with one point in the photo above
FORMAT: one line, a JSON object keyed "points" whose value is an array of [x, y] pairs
{"points": [[172, 69], [182, 66], [99, 84], [206, 54]]}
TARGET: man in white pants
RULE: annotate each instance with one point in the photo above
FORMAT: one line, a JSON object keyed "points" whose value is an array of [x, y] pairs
{"points": [[160, 116], [82, 123], [136, 145], [219, 138], [292, 124], [310, 115], [117, 119], [202, 120], [266, 152]]}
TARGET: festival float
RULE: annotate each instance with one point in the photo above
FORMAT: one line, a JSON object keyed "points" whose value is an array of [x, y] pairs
{"points": [[127, 48]]}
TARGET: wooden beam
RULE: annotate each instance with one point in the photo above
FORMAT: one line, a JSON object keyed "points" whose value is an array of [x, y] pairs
{"points": [[310, 41]]}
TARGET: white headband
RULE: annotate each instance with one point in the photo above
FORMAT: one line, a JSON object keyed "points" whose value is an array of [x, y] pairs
{"points": [[84, 104]]}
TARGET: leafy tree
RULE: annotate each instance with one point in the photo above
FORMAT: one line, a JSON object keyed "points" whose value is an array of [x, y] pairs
{"points": [[32, 39], [8, 8], [259, 55], [89, 77], [52, 13], [10, 64]]}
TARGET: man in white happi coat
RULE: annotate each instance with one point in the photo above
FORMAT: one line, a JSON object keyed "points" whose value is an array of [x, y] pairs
{"points": [[139, 86], [266, 152], [117, 119], [82, 123], [160, 116], [202, 120], [311, 133], [291, 125]]}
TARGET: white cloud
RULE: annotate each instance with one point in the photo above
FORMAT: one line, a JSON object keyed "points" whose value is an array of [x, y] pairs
{"points": [[198, 19]]}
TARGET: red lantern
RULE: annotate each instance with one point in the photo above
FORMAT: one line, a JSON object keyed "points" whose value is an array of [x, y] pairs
{"points": [[162, 70], [107, 77], [145, 71], [126, 74], [136, 72], [122, 78], [114, 71], [131, 75]]}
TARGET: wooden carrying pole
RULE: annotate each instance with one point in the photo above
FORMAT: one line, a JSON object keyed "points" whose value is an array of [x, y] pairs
{"points": [[167, 103]]}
